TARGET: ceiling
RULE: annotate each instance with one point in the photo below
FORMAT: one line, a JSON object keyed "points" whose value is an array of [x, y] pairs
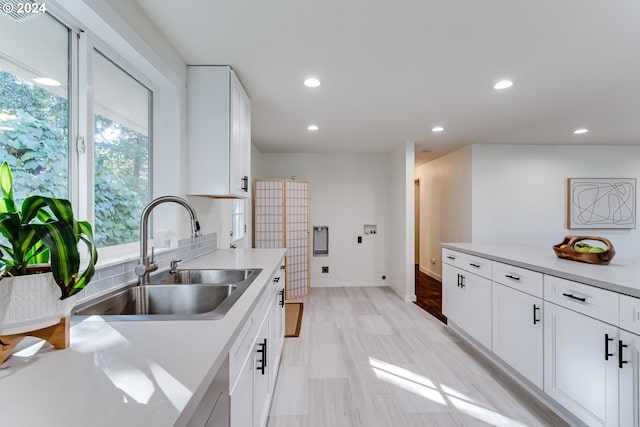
{"points": [[391, 70]]}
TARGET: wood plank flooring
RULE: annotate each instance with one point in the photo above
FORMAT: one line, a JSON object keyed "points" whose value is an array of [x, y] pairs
{"points": [[366, 358], [429, 295]]}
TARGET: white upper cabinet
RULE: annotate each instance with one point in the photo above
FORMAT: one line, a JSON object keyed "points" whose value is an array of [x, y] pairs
{"points": [[218, 133]]}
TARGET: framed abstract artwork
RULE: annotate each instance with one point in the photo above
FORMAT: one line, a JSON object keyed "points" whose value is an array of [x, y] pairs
{"points": [[601, 203]]}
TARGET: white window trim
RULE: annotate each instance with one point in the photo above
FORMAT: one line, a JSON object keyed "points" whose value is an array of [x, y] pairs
{"points": [[167, 111]]}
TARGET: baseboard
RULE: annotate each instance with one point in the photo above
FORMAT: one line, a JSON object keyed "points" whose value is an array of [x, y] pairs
{"points": [[430, 273], [338, 284]]}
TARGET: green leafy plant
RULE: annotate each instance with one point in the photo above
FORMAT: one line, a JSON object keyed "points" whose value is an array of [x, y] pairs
{"points": [[44, 230]]}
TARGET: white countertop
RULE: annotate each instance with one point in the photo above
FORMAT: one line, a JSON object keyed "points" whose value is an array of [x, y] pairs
{"points": [[134, 373], [621, 275]]}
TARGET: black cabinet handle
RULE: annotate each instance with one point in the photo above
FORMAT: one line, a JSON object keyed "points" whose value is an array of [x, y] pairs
{"points": [[282, 267], [459, 280], [511, 276], [575, 297], [281, 297], [462, 285], [276, 279], [263, 351], [451, 257], [535, 319], [606, 347], [245, 183], [620, 361], [474, 265]]}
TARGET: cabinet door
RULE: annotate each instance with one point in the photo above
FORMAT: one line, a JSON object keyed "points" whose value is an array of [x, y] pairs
{"points": [[478, 307], [454, 296], [276, 333], [261, 388], [629, 365], [235, 143], [241, 399], [517, 331], [581, 366]]}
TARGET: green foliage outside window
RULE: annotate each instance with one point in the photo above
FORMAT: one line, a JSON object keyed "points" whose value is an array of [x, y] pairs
{"points": [[34, 142]]}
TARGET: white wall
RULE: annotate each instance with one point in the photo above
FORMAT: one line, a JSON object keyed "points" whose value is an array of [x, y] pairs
{"points": [[520, 192], [347, 192], [445, 206], [402, 198]]}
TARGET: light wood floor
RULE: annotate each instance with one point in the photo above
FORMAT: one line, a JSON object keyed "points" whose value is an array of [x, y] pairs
{"points": [[366, 358]]}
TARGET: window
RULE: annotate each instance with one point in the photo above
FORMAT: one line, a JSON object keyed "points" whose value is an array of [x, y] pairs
{"points": [[122, 119], [43, 103], [34, 105]]}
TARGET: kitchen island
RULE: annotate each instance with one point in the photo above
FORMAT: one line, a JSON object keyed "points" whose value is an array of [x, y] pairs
{"points": [[130, 373], [568, 331]]}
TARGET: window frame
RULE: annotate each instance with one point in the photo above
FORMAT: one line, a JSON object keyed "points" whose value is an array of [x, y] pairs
{"points": [[90, 45]]}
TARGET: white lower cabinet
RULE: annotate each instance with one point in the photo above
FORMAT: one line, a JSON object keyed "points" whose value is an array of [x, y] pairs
{"points": [[466, 301], [578, 344], [629, 365], [257, 349], [581, 366], [261, 376], [517, 331]]}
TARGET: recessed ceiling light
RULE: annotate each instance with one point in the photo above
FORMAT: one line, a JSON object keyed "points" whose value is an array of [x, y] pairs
{"points": [[312, 128], [437, 129], [580, 131], [46, 81], [503, 84], [312, 82]]}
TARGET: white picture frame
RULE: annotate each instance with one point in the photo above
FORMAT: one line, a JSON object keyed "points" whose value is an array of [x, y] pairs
{"points": [[601, 203]]}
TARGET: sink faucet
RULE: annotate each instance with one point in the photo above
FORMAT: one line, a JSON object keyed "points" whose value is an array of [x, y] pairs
{"points": [[147, 265]]}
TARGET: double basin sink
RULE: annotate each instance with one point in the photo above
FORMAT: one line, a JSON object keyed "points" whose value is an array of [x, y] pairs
{"points": [[175, 295]]}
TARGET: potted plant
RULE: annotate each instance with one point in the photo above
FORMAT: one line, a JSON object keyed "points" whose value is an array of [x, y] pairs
{"points": [[44, 230]]}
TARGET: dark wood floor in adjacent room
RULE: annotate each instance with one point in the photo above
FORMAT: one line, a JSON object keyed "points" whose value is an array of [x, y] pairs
{"points": [[429, 295]]}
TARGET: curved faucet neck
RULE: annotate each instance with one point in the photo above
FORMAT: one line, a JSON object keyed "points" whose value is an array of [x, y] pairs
{"points": [[144, 223]]}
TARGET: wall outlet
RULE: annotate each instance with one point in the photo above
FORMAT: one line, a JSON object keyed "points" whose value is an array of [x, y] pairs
{"points": [[325, 269]]}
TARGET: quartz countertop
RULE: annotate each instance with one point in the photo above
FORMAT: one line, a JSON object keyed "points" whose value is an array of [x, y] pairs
{"points": [[129, 373], [620, 275]]}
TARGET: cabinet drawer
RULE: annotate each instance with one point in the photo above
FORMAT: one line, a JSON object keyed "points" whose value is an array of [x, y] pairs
{"points": [[452, 257], [240, 349], [243, 345], [477, 265], [630, 314], [595, 302], [518, 278]]}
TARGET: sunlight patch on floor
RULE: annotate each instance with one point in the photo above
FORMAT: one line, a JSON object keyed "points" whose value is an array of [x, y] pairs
{"points": [[439, 393]]}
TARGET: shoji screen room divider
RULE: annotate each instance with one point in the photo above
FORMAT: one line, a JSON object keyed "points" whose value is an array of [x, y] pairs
{"points": [[281, 220]]}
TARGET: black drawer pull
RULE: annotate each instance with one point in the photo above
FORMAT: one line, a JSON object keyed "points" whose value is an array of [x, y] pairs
{"points": [[281, 297], [263, 353], [535, 319], [276, 279], [606, 347], [511, 276], [575, 297], [474, 265], [451, 257], [620, 361], [282, 267]]}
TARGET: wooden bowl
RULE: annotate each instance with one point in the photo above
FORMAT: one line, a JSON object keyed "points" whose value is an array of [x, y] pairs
{"points": [[568, 252]]}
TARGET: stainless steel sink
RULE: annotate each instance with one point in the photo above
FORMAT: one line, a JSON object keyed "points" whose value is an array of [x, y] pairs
{"points": [[169, 299], [181, 295], [204, 276]]}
